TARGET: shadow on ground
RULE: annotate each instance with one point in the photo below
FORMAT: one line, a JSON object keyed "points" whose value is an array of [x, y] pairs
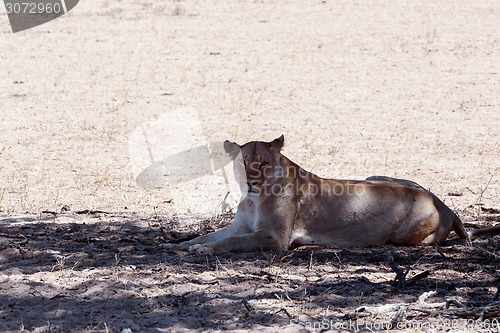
{"points": [[107, 272]]}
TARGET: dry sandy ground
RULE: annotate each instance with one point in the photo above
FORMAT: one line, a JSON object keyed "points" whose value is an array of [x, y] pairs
{"points": [[358, 88]]}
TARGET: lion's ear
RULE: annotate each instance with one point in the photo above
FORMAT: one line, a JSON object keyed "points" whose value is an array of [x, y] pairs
{"points": [[233, 149], [277, 144]]}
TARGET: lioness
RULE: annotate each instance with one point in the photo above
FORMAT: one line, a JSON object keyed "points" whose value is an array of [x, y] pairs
{"points": [[283, 204]]}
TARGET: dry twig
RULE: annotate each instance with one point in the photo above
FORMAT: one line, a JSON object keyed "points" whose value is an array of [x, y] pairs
{"points": [[491, 310], [400, 275], [420, 304]]}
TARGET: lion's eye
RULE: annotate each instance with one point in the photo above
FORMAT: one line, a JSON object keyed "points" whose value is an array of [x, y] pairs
{"points": [[263, 164]]}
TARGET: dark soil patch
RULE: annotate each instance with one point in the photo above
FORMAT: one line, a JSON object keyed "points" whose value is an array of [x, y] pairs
{"points": [[106, 272]]}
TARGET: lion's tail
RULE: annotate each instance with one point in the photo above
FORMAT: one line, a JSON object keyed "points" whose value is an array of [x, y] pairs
{"points": [[458, 227], [491, 230]]}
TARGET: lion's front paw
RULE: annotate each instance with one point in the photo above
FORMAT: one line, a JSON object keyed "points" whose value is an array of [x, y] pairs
{"points": [[201, 249]]}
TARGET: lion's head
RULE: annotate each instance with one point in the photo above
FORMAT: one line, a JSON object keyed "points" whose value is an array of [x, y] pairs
{"points": [[257, 164]]}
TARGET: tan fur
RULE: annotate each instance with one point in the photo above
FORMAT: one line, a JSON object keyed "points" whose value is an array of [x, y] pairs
{"points": [[283, 204]]}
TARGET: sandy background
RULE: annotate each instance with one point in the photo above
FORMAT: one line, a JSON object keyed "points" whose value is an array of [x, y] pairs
{"points": [[390, 88], [358, 88]]}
